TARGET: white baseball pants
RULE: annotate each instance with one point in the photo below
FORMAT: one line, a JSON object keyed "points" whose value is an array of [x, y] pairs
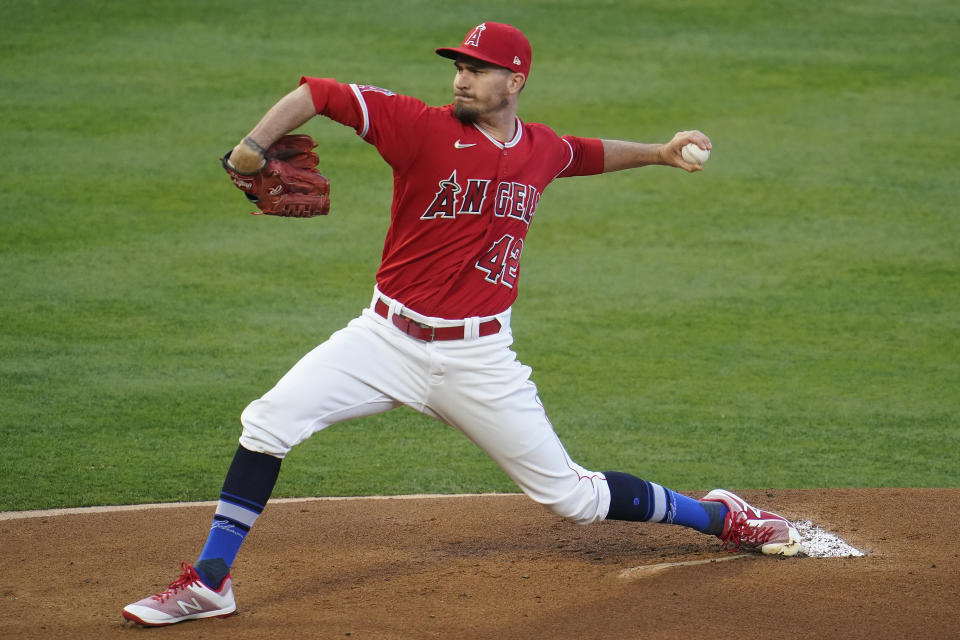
{"points": [[475, 385]]}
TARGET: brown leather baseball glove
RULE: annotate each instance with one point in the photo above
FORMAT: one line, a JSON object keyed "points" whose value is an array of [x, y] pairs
{"points": [[288, 184]]}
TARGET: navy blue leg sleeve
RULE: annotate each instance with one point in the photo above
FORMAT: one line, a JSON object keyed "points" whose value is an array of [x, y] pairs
{"points": [[245, 492], [630, 497], [642, 501]]}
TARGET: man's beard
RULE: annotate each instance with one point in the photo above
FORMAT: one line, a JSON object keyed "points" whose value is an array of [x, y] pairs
{"points": [[465, 114], [469, 115]]}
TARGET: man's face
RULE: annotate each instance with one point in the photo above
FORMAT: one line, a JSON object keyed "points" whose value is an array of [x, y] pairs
{"points": [[479, 88]]}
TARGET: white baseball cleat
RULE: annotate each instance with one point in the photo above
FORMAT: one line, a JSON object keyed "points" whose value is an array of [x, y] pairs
{"points": [[751, 528], [187, 598]]}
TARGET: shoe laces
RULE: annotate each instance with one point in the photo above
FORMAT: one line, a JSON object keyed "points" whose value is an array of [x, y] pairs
{"points": [[187, 578], [743, 533]]}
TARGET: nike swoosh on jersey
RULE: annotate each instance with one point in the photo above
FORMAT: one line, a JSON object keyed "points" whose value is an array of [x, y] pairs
{"points": [[463, 145]]}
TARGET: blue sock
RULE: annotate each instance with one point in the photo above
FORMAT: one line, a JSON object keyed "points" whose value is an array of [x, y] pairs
{"points": [[247, 488], [642, 501]]}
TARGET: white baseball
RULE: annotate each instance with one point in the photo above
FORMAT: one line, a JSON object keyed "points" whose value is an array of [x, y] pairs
{"points": [[694, 155]]}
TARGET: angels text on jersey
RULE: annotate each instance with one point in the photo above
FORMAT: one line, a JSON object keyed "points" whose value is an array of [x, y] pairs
{"points": [[512, 199]]}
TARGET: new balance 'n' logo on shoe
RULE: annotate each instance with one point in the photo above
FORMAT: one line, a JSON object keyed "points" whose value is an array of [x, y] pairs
{"points": [[187, 598], [751, 528]]}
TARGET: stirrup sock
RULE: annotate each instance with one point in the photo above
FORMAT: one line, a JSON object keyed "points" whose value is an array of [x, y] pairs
{"points": [[641, 501], [245, 492]]}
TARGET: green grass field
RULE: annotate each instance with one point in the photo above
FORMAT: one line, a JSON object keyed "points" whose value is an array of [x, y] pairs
{"points": [[789, 317]]}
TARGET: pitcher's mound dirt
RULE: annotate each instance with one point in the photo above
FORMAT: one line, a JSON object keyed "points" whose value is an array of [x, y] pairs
{"points": [[495, 567]]}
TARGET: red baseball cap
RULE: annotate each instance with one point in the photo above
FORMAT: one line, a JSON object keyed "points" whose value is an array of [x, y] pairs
{"points": [[500, 44]]}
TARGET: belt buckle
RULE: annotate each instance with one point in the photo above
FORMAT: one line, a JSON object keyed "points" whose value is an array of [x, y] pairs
{"points": [[409, 325], [433, 330]]}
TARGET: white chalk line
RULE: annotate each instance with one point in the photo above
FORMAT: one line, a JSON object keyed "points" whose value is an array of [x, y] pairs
{"points": [[50, 513], [645, 570]]}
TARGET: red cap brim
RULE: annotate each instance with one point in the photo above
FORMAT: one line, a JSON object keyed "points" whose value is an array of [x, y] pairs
{"points": [[453, 54]]}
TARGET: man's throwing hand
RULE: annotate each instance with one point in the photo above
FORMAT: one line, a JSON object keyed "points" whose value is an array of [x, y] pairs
{"points": [[672, 153]]}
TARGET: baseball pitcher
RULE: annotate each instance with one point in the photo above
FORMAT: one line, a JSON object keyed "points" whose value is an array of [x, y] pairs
{"points": [[436, 336]]}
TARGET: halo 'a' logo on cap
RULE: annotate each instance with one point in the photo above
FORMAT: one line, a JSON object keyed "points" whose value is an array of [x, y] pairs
{"points": [[473, 39]]}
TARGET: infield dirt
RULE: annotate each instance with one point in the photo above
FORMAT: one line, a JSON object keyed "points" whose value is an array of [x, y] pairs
{"points": [[494, 567]]}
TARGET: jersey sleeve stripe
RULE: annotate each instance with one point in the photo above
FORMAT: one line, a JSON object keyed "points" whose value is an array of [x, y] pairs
{"points": [[566, 166], [365, 129]]}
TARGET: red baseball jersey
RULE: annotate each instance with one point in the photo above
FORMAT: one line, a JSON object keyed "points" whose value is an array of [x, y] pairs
{"points": [[462, 201]]}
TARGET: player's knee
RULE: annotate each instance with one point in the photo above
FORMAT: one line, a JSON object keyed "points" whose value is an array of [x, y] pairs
{"points": [[576, 516], [259, 435], [581, 506]]}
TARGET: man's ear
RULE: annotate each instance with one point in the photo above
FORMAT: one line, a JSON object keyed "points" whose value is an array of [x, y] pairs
{"points": [[516, 82]]}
